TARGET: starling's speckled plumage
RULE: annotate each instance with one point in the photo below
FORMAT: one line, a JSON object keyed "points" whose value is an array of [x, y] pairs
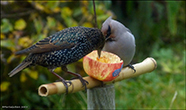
{"points": [[62, 48]]}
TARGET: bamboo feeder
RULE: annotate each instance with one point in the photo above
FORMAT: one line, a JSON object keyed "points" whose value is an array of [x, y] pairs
{"points": [[146, 66]]}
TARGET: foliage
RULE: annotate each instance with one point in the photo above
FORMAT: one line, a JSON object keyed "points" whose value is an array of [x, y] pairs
{"points": [[25, 25], [159, 29]]}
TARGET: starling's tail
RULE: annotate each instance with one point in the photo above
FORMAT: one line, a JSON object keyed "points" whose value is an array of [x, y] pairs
{"points": [[19, 68]]}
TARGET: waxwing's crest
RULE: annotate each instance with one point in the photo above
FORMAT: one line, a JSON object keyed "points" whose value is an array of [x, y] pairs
{"points": [[108, 20], [105, 25]]}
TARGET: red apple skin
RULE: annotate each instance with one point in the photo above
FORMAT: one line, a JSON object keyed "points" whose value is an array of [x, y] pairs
{"points": [[101, 71]]}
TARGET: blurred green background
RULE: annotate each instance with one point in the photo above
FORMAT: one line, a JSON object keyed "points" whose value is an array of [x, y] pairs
{"points": [[159, 29]]}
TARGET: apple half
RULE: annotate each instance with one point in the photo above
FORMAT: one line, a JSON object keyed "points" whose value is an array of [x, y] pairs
{"points": [[105, 68]]}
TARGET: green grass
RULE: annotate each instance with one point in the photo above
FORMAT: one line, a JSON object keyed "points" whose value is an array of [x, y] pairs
{"points": [[152, 91], [156, 90]]}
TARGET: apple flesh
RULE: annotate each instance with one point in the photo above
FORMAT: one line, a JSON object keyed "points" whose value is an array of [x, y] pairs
{"points": [[105, 68]]}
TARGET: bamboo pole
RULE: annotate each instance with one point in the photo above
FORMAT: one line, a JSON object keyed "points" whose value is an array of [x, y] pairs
{"points": [[148, 65]]}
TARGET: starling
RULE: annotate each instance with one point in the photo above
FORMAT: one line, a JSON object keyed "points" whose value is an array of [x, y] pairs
{"points": [[120, 42], [62, 48]]}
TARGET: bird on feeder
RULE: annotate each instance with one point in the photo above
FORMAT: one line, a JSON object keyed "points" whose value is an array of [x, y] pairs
{"points": [[120, 42], [62, 48]]}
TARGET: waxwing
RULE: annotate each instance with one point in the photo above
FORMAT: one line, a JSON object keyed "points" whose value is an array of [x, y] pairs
{"points": [[120, 42]]}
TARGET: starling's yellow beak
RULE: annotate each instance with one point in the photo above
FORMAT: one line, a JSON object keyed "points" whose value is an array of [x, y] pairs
{"points": [[99, 53]]}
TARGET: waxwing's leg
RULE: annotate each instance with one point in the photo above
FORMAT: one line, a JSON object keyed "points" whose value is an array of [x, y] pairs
{"points": [[132, 67]]}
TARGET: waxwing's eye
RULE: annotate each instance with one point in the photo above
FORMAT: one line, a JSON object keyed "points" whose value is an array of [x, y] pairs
{"points": [[108, 32]]}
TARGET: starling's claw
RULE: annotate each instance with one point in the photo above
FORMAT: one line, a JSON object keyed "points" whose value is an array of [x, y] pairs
{"points": [[84, 82], [63, 81], [66, 85], [70, 83], [132, 67]]}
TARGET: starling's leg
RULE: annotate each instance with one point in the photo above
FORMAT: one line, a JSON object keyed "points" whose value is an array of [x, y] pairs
{"points": [[73, 78], [132, 67], [63, 81], [84, 82]]}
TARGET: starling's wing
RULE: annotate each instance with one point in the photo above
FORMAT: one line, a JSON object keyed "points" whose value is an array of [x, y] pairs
{"points": [[57, 41]]}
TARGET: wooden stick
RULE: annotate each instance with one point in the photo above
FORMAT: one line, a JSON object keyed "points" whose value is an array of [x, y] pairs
{"points": [[148, 65], [101, 98]]}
